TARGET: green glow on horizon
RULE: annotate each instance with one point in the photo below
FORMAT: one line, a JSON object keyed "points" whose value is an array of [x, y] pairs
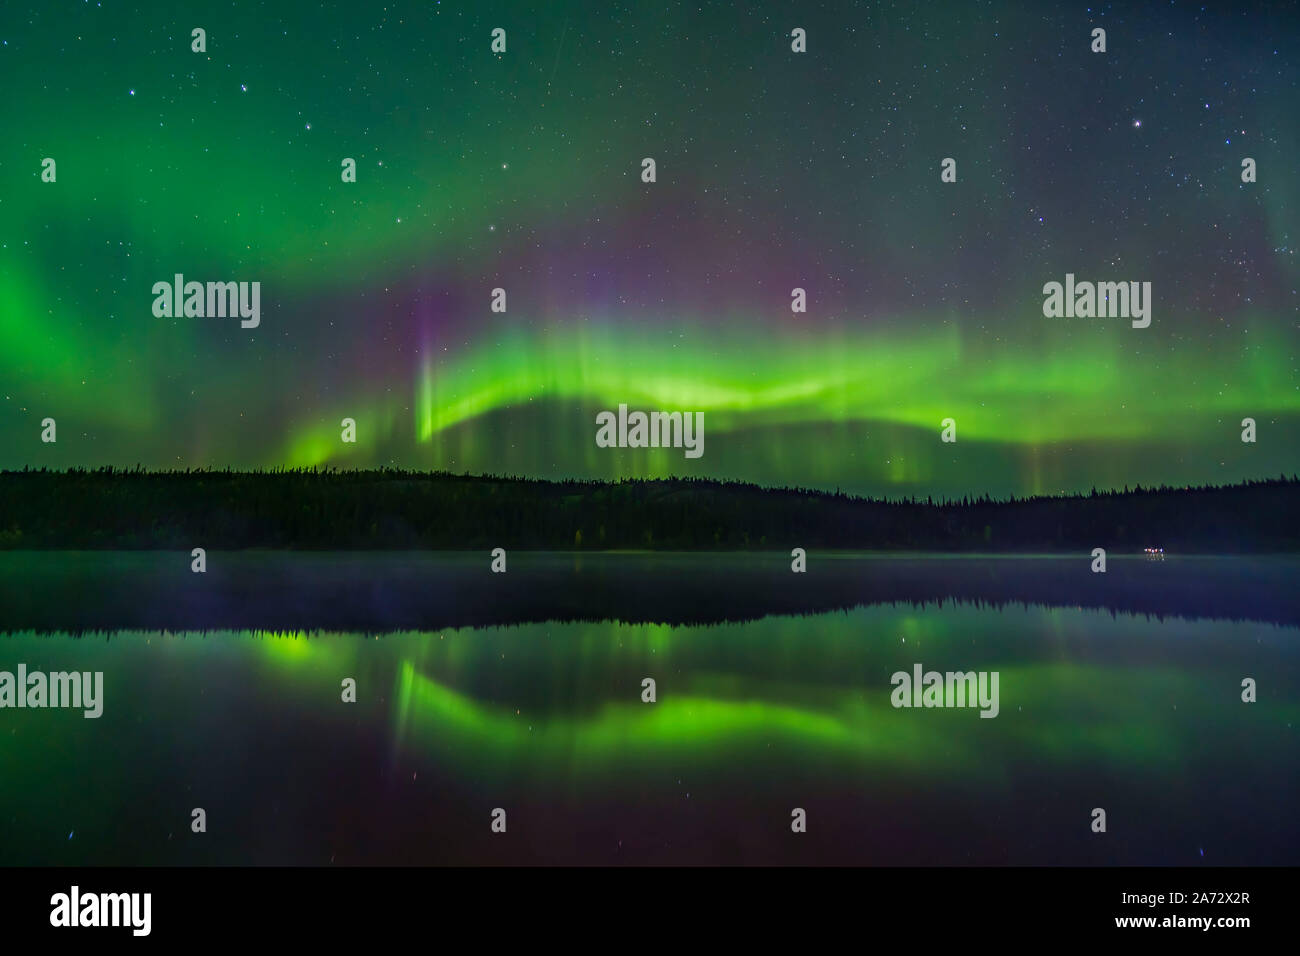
{"points": [[1095, 391]]}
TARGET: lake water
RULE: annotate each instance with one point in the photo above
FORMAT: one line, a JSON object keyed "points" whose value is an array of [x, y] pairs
{"points": [[523, 691]]}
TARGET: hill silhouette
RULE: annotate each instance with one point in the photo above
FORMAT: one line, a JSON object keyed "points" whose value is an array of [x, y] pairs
{"points": [[389, 509]]}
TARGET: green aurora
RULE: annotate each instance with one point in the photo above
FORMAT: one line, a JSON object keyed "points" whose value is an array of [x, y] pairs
{"points": [[521, 171]]}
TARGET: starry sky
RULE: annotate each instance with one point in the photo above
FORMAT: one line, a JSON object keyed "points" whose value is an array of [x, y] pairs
{"points": [[775, 170]]}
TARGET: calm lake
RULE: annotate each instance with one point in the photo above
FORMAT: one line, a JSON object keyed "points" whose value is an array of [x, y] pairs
{"points": [[523, 691]]}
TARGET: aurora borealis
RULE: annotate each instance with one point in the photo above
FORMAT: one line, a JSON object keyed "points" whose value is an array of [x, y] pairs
{"points": [[775, 170]]}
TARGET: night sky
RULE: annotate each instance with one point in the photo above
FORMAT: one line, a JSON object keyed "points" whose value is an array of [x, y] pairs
{"points": [[775, 170]]}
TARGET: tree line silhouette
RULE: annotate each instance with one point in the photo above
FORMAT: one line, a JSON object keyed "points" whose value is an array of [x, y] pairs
{"points": [[395, 509]]}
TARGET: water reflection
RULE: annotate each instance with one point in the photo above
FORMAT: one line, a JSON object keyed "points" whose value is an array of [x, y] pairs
{"points": [[383, 592], [546, 720]]}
